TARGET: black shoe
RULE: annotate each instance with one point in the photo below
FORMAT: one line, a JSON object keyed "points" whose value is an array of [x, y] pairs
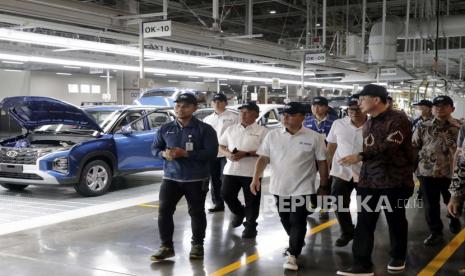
{"points": [[357, 270], [343, 240], [433, 239], [237, 221], [454, 225], [196, 251], [162, 253], [249, 233], [396, 265], [216, 208]]}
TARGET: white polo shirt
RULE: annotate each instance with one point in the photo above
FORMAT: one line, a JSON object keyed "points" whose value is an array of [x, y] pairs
{"points": [[349, 140], [244, 139], [220, 122], [292, 160]]}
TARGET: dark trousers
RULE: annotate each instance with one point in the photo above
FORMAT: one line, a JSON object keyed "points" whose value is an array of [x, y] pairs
{"points": [[170, 194], [342, 190], [230, 190], [216, 174], [366, 223], [433, 188], [294, 222]]}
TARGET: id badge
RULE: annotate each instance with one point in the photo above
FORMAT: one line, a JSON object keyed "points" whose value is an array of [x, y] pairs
{"points": [[189, 146]]}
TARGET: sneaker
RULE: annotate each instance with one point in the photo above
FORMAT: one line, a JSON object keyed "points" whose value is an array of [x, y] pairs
{"points": [[324, 215], [433, 239], [249, 233], [163, 252], [454, 225], [396, 265], [357, 270], [291, 262], [216, 208], [237, 221], [343, 240], [196, 251]]}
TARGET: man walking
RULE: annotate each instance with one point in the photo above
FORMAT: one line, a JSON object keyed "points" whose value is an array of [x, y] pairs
{"points": [[239, 144], [293, 153], [187, 145], [345, 138], [385, 177], [220, 120]]}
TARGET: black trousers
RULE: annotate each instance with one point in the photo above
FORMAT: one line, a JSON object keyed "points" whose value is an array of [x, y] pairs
{"points": [[170, 194], [230, 190], [342, 190], [294, 222], [367, 219], [433, 188], [216, 175]]}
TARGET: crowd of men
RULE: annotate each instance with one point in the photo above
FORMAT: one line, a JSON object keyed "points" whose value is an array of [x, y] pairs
{"points": [[375, 150]]}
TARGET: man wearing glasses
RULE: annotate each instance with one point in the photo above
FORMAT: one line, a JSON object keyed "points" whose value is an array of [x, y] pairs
{"points": [[345, 138]]}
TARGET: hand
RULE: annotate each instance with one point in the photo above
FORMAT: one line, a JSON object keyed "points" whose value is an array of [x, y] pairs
{"points": [[455, 207], [176, 152], [350, 160], [167, 155], [238, 155], [255, 186]]}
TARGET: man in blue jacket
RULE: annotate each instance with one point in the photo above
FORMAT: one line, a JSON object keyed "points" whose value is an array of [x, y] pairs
{"points": [[187, 145]]}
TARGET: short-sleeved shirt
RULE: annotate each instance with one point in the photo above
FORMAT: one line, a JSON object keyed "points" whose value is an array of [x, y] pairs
{"points": [[322, 127], [436, 142], [293, 160], [220, 122], [243, 139], [418, 121], [349, 140]]}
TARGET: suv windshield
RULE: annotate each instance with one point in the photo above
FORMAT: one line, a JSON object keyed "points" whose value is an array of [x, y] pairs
{"points": [[105, 118]]}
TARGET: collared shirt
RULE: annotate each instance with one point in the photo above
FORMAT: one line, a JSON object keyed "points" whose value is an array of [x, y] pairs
{"points": [[436, 142], [220, 122], [322, 127], [195, 166], [349, 140], [387, 152], [418, 121], [243, 139], [293, 160]]}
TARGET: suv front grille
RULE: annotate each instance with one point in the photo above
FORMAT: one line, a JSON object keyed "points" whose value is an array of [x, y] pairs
{"points": [[26, 156], [31, 176]]}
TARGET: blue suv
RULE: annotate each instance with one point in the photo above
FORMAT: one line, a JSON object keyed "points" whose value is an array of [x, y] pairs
{"points": [[87, 147]]}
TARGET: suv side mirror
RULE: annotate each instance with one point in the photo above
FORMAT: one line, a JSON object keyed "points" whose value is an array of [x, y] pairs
{"points": [[127, 130]]}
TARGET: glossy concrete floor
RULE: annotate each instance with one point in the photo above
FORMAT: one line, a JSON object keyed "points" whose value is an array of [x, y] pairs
{"points": [[120, 243]]}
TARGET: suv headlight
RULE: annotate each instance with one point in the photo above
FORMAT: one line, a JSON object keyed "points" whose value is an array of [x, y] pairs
{"points": [[60, 164]]}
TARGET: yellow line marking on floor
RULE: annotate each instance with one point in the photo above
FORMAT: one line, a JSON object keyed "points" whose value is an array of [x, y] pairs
{"points": [[442, 257], [254, 257], [149, 205]]}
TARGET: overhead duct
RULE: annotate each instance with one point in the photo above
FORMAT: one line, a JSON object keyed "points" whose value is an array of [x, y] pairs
{"points": [[449, 26]]}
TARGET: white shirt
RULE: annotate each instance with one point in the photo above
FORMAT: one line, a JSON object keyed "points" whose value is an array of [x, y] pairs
{"points": [[292, 160], [349, 140], [244, 139], [220, 122]]}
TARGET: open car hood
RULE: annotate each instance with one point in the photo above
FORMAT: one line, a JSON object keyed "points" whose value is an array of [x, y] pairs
{"points": [[32, 112]]}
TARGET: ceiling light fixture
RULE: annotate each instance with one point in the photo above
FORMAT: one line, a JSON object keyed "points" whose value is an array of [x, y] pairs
{"points": [[71, 67], [272, 12], [13, 70], [12, 62], [64, 74]]}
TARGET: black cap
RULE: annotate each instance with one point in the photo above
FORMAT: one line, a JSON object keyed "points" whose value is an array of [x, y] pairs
{"points": [[424, 103], [220, 97], [187, 98], [250, 106], [374, 91], [352, 100], [294, 108], [320, 100], [443, 100]]}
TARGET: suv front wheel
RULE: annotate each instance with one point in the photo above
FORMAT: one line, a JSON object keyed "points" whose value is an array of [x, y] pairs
{"points": [[95, 179]]}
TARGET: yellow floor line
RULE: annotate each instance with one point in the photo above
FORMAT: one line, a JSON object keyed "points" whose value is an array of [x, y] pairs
{"points": [[149, 205], [254, 257], [442, 257]]}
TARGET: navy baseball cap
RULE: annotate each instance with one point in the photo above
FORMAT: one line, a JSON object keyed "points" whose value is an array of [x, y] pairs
{"points": [[220, 97], [187, 98], [427, 103], [250, 106], [320, 101], [294, 108], [352, 100], [446, 100], [374, 91]]}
